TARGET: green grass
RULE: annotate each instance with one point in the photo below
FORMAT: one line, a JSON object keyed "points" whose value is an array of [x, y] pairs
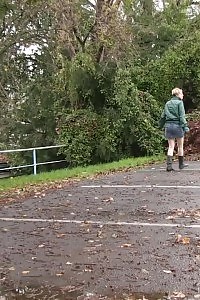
{"points": [[79, 172]]}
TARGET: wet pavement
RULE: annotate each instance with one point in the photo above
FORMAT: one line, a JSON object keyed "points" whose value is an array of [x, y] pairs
{"points": [[132, 235]]}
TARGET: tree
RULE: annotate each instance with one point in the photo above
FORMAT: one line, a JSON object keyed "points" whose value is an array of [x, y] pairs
{"points": [[26, 99], [21, 27], [99, 28], [179, 66], [93, 64]]}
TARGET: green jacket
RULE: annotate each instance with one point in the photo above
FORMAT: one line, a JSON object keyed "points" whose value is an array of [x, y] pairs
{"points": [[174, 112]]}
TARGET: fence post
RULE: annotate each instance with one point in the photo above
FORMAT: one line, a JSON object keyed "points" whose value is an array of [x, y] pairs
{"points": [[34, 162]]}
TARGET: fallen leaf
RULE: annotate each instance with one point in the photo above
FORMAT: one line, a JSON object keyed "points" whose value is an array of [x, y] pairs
{"points": [[182, 240], [99, 233], [108, 200], [178, 238], [167, 271], [5, 229], [87, 222], [59, 235], [25, 272], [185, 240], [60, 274], [178, 295], [114, 235], [198, 257], [87, 270], [145, 271], [126, 245], [34, 257], [72, 288]]}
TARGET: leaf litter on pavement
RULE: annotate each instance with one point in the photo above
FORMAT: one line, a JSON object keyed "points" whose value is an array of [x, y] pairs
{"points": [[183, 213]]}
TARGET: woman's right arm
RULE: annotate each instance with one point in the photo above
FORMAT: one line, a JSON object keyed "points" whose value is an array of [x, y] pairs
{"points": [[162, 120]]}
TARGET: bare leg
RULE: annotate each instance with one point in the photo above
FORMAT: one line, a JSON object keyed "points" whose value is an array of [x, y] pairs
{"points": [[180, 142], [171, 144]]}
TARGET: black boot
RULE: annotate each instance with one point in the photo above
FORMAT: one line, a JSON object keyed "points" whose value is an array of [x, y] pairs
{"points": [[169, 163], [181, 163]]}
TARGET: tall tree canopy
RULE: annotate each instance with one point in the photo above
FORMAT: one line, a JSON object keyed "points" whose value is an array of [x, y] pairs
{"points": [[93, 74]]}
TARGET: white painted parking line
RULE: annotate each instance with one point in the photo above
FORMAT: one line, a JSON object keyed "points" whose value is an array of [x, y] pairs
{"points": [[109, 223], [139, 186]]}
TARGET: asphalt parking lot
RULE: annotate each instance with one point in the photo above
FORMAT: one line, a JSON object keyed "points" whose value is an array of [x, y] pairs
{"points": [[132, 233]]}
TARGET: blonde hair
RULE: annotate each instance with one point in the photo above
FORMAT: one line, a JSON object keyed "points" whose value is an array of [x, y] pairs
{"points": [[176, 91]]}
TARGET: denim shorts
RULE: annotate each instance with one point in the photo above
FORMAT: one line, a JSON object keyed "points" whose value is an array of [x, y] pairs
{"points": [[173, 131]]}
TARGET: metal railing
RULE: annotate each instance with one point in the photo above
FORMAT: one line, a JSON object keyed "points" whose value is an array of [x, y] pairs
{"points": [[34, 158]]}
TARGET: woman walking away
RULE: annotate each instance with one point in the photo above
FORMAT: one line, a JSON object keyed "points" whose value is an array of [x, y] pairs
{"points": [[174, 122]]}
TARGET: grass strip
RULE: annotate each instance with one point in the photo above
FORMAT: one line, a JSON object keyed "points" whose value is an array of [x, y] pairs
{"points": [[79, 172]]}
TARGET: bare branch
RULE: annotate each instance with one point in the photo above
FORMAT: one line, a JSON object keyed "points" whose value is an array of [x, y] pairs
{"points": [[91, 4], [194, 3]]}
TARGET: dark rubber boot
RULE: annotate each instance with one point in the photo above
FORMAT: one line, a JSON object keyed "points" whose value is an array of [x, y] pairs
{"points": [[169, 163], [181, 163]]}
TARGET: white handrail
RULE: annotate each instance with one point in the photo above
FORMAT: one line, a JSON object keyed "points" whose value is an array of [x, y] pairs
{"points": [[30, 149], [34, 164]]}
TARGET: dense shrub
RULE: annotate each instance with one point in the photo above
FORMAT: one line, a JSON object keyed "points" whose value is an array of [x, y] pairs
{"points": [[126, 125]]}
